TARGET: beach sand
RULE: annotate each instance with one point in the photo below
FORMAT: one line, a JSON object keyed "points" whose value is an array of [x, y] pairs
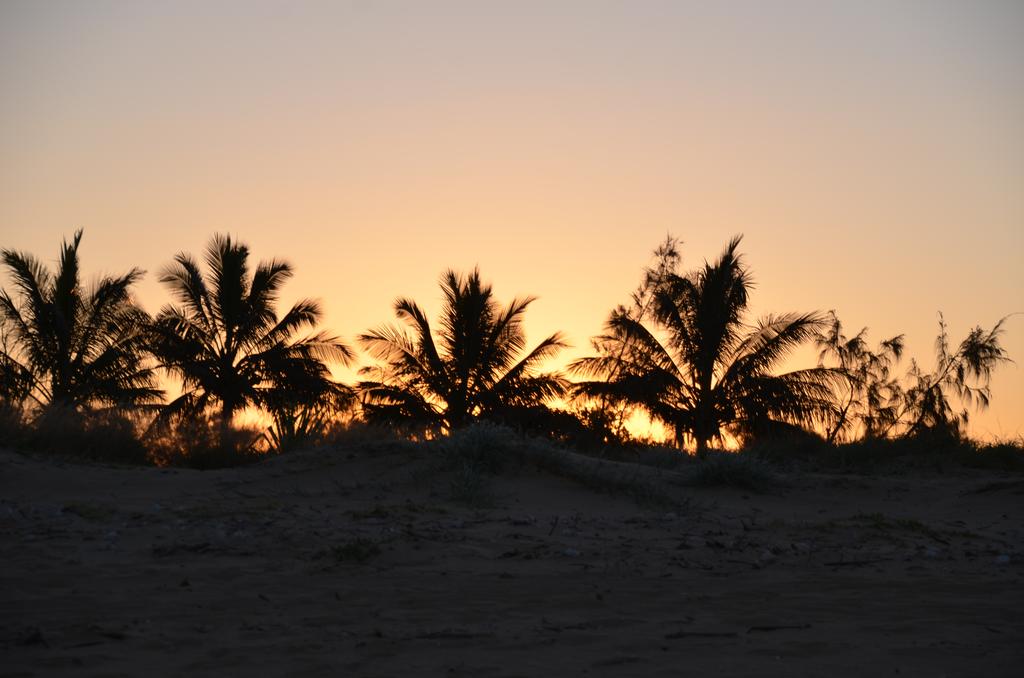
{"points": [[356, 562]]}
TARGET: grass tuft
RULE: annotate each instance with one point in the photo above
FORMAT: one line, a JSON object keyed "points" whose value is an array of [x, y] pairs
{"points": [[731, 469], [471, 487], [484, 446], [358, 550]]}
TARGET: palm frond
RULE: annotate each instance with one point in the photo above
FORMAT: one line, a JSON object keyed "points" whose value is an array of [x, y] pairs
{"points": [[82, 348], [473, 368], [227, 345]]}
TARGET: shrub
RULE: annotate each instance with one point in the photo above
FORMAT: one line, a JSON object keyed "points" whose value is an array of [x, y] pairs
{"points": [[881, 455], [1002, 456], [198, 443], [730, 469], [99, 436], [352, 432], [471, 487], [13, 428], [662, 456], [484, 446]]}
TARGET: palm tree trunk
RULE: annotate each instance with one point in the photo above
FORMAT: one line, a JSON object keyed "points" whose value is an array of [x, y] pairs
{"points": [[225, 425], [702, 447]]}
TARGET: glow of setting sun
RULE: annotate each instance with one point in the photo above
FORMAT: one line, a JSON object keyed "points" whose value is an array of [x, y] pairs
{"points": [[874, 160]]}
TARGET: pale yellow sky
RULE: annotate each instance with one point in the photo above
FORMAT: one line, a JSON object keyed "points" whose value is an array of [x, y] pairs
{"points": [[872, 152]]}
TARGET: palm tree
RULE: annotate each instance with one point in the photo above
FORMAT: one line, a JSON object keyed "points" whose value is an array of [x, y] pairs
{"points": [[67, 347], [15, 379], [227, 345], [473, 369], [709, 374], [869, 396]]}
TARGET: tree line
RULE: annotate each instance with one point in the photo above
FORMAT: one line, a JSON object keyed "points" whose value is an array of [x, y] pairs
{"points": [[683, 351]]}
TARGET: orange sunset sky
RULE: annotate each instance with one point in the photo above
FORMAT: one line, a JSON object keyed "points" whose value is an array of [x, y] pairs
{"points": [[871, 152]]}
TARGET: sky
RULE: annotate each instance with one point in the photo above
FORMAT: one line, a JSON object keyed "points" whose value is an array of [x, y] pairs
{"points": [[872, 153]]}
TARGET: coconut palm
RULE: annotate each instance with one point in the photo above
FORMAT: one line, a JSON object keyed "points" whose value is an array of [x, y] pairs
{"points": [[15, 379], [227, 345], [472, 370], [694, 365], [68, 347]]}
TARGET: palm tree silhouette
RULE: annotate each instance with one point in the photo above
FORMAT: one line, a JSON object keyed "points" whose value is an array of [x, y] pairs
{"points": [[472, 371], [227, 345], [66, 347], [16, 380], [710, 374]]}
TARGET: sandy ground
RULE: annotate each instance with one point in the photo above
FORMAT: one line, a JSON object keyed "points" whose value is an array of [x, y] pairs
{"points": [[357, 563]]}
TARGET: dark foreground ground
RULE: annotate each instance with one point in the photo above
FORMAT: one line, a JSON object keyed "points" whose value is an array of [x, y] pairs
{"points": [[360, 563]]}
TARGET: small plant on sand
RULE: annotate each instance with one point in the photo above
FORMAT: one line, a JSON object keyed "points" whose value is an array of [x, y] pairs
{"points": [[881, 522], [662, 456], [97, 513], [485, 446], [470, 486], [731, 469], [357, 550]]}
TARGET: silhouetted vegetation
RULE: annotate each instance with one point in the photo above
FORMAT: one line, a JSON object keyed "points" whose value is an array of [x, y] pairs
{"points": [[962, 374], [742, 471], [78, 377], [873, 404], [877, 455], [103, 435], [867, 401], [688, 360], [484, 449], [230, 350], [474, 370], [70, 348], [201, 442]]}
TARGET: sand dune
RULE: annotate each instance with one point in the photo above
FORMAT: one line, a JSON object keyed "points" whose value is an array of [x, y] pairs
{"points": [[359, 563]]}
